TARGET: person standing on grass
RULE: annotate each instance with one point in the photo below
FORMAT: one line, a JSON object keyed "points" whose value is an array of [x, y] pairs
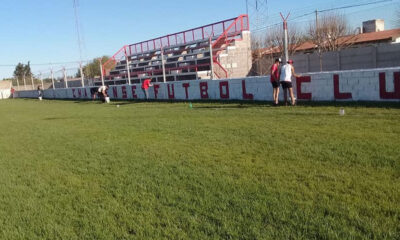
{"points": [[275, 80], [145, 87], [287, 72], [13, 92], [40, 92]]}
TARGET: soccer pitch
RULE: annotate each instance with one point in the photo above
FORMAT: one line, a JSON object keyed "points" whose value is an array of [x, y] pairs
{"points": [[84, 170]]}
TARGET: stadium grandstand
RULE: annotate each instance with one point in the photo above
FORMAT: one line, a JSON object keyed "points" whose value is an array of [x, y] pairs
{"points": [[215, 51]]}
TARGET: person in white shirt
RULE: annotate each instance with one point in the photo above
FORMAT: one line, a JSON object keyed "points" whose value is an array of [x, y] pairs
{"points": [[102, 92], [287, 72]]}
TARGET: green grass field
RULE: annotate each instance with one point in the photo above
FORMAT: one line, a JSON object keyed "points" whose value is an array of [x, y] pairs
{"points": [[83, 170]]}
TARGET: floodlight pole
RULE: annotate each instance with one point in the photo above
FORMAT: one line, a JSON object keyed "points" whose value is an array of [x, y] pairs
{"points": [[285, 41], [163, 64]]}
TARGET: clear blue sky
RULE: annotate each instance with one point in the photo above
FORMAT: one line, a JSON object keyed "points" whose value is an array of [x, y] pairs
{"points": [[43, 31]]}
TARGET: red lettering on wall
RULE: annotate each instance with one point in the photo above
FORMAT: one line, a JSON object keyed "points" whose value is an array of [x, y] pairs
{"points": [[73, 93], [300, 94], [246, 96], [223, 85], [86, 92], [133, 88], [337, 93], [124, 94], [115, 92], [186, 86], [171, 91], [204, 90], [382, 86], [156, 87], [80, 92]]}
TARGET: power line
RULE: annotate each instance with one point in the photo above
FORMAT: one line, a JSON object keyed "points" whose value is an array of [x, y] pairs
{"points": [[358, 5], [311, 8], [47, 64], [324, 10], [340, 8]]}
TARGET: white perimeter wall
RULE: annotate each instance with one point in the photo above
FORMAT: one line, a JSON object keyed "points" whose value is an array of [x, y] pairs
{"points": [[358, 85]]}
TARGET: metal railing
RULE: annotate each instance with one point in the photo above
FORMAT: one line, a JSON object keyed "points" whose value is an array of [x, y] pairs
{"points": [[188, 36], [240, 24], [224, 32]]}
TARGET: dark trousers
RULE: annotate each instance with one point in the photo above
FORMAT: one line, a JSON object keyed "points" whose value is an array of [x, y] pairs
{"points": [[146, 93]]}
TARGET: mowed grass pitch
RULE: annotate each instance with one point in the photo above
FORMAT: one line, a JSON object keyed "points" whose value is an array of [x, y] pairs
{"points": [[72, 170]]}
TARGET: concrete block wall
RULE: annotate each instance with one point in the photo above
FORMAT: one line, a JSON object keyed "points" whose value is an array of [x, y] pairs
{"points": [[367, 57], [355, 85], [237, 59]]}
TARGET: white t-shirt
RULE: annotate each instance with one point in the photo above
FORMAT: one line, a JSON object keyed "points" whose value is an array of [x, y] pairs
{"points": [[102, 88], [286, 73]]}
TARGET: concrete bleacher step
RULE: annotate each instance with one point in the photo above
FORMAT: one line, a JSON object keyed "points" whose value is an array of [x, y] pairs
{"points": [[204, 74]]}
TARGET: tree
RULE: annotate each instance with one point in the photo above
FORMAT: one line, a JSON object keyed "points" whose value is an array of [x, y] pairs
{"points": [[92, 69], [21, 71], [330, 32], [270, 46], [274, 40]]}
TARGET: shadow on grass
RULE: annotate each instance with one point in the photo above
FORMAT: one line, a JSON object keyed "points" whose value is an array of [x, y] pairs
{"points": [[252, 104], [55, 118], [360, 104], [242, 104]]}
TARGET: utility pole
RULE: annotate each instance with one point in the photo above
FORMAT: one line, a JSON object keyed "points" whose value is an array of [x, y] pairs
{"points": [[319, 40], [285, 42]]}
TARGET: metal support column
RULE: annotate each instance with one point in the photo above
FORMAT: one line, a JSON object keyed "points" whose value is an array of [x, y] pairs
{"points": [[163, 65], [211, 61]]}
